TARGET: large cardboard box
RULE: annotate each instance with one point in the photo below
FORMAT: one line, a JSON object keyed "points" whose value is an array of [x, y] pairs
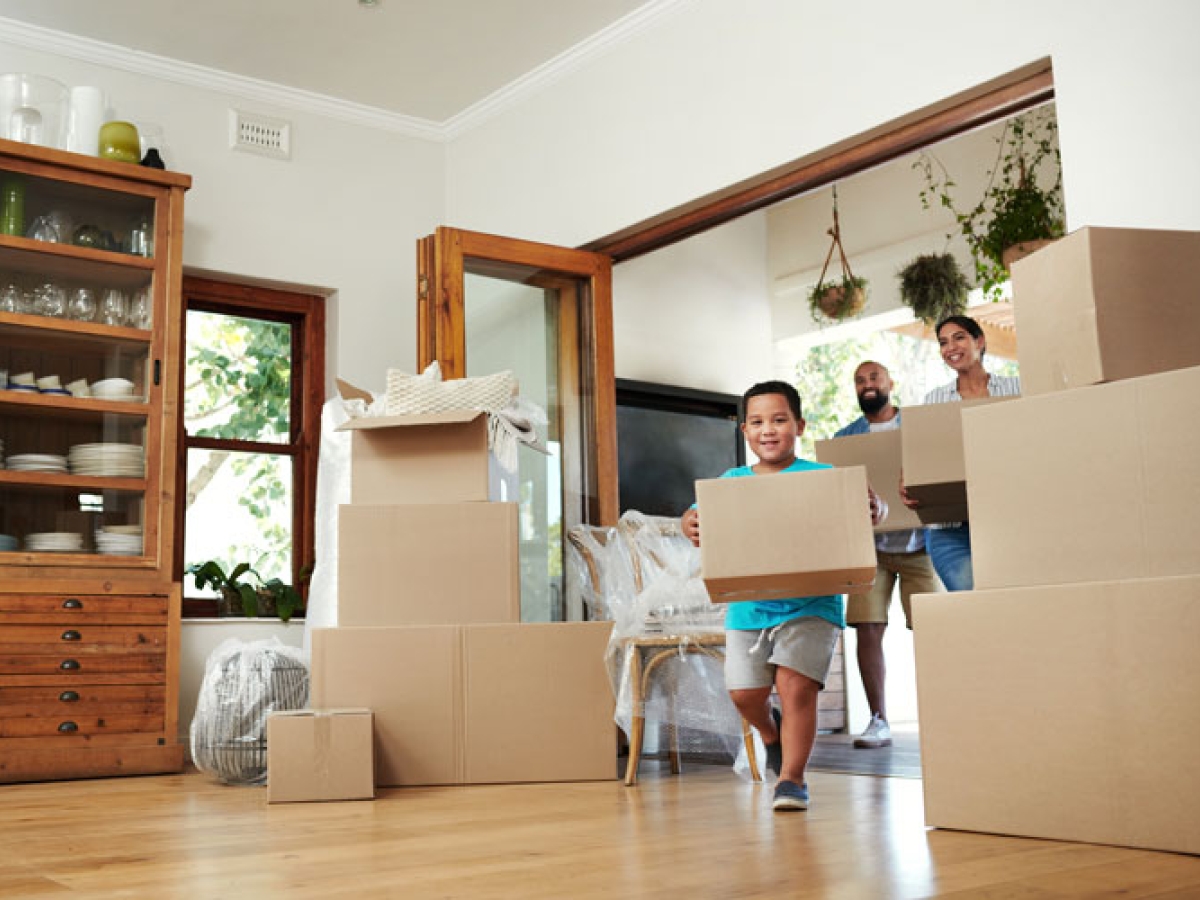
{"points": [[1092, 484], [934, 470], [476, 704], [428, 564], [320, 754], [795, 534], [879, 453], [1104, 304], [1064, 712]]}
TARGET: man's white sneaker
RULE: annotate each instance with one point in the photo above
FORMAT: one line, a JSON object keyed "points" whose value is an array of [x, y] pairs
{"points": [[877, 734]]}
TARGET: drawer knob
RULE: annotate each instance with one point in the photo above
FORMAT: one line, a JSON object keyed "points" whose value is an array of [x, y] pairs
{"points": [[69, 665], [72, 603], [71, 635], [68, 697], [68, 727]]}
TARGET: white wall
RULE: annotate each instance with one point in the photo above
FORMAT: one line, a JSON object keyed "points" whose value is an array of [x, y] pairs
{"points": [[342, 215]]}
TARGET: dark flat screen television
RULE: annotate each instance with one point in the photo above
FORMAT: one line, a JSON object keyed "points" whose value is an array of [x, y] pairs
{"points": [[667, 437]]}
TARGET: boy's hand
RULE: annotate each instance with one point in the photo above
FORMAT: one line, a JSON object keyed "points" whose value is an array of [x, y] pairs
{"points": [[689, 523], [879, 507], [908, 501]]}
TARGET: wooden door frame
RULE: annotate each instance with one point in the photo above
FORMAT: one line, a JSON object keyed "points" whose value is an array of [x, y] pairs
{"points": [[441, 332], [1022, 89]]}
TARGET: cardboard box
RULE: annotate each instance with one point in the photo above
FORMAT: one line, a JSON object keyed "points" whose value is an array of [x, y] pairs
{"points": [[476, 704], [879, 453], [1063, 712], [1104, 304], [1094, 484], [320, 754], [430, 458], [932, 458], [428, 564], [798, 534]]}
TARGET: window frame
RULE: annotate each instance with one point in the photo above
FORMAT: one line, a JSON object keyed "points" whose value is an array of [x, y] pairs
{"points": [[305, 313]]}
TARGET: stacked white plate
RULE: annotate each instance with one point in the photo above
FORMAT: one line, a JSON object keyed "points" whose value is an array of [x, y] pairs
{"points": [[114, 389], [7, 542], [113, 460], [54, 541], [119, 540], [37, 462]]}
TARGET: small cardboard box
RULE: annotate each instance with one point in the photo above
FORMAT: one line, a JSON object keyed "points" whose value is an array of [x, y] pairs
{"points": [[1063, 712], [429, 458], [428, 564], [879, 453], [476, 704], [795, 534], [320, 754], [1093, 484], [931, 452], [1103, 304]]}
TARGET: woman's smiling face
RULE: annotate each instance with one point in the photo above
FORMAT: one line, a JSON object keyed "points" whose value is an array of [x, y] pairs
{"points": [[960, 351]]}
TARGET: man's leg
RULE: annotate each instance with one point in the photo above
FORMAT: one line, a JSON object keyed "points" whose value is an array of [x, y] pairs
{"points": [[871, 665]]}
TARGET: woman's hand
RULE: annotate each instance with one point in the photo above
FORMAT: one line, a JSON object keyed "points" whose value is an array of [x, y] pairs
{"points": [[908, 501], [689, 522], [879, 507]]}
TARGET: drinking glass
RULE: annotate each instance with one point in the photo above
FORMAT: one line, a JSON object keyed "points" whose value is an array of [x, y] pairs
{"points": [[50, 300], [114, 308], [82, 305], [139, 309], [12, 298]]}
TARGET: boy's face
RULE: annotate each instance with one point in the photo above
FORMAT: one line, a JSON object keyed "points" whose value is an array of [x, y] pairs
{"points": [[771, 429]]}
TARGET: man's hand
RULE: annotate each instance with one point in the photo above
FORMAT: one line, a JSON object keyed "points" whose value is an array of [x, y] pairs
{"points": [[879, 507], [689, 522], [908, 501]]}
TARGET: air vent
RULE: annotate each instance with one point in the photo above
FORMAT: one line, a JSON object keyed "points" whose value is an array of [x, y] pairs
{"points": [[262, 135]]}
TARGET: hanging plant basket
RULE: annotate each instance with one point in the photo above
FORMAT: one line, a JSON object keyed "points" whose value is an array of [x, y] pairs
{"points": [[934, 287], [845, 297], [1020, 251]]}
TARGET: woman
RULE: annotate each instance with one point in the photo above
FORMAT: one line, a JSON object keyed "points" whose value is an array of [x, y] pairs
{"points": [[962, 346]]}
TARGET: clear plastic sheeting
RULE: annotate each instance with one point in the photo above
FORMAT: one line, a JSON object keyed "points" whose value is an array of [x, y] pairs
{"points": [[643, 575], [244, 682]]}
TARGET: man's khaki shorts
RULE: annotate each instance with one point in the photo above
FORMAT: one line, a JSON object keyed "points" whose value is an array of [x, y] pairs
{"points": [[916, 574]]}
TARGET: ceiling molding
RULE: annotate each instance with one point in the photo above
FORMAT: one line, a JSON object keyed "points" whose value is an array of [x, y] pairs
{"points": [[558, 67], [127, 59]]}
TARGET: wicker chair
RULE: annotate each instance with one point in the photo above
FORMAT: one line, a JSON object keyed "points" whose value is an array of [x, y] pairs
{"points": [[637, 542]]}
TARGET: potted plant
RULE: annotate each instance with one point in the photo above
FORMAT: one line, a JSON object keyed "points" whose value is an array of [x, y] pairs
{"points": [[246, 596], [1022, 204], [934, 287], [837, 300], [842, 298]]}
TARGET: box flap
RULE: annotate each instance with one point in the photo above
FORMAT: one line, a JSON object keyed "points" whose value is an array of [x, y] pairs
{"points": [[450, 416], [350, 392]]}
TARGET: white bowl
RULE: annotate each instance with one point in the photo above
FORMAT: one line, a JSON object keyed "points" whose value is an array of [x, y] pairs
{"points": [[79, 388], [49, 383], [23, 378], [112, 386]]}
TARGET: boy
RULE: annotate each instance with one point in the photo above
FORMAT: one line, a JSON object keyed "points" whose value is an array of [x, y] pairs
{"points": [[785, 644]]}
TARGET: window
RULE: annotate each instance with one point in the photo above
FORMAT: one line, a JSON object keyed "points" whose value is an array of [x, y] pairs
{"points": [[254, 376]]}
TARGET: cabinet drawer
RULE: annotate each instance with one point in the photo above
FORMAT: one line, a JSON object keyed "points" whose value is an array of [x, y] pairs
{"points": [[18, 608], [82, 700], [82, 638], [68, 668], [75, 726]]}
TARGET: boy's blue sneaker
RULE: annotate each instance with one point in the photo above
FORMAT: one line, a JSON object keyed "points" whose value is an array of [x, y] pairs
{"points": [[790, 796], [775, 750]]}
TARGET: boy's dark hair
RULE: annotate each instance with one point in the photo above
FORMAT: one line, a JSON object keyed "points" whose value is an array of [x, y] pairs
{"points": [[772, 387]]}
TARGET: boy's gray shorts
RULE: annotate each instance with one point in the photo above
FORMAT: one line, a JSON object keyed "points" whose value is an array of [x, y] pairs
{"points": [[805, 645]]}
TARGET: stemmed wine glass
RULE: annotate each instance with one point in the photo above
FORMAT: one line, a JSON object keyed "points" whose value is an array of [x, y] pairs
{"points": [[82, 305], [114, 308]]}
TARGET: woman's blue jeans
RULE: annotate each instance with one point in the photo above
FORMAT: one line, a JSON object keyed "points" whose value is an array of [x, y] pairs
{"points": [[950, 550]]}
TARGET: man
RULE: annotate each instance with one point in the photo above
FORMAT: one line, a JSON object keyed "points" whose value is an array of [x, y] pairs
{"points": [[899, 555]]}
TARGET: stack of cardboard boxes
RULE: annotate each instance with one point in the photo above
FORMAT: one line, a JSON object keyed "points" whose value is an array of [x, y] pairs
{"points": [[1060, 698], [429, 634]]}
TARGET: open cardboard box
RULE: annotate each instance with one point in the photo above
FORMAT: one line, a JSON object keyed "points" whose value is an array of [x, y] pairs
{"points": [[476, 704], [1103, 304], [1065, 712], [879, 453], [934, 470], [1095, 483], [795, 534], [438, 457]]}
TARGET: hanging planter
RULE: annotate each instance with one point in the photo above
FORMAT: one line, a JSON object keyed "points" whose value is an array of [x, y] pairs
{"points": [[835, 300], [934, 287]]}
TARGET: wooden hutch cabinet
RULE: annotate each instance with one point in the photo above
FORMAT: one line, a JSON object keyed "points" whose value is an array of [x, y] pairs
{"points": [[90, 274]]}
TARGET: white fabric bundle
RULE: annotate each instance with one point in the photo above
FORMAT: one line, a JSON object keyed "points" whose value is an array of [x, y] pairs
{"points": [[426, 393]]}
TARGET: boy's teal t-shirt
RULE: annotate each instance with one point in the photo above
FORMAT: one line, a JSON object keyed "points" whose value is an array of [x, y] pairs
{"points": [[754, 615]]}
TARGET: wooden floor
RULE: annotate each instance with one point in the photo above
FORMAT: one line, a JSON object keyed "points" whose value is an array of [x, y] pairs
{"points": [[704, 834], [837, 753]]}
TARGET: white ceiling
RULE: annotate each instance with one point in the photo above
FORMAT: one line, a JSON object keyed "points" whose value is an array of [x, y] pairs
{"points": [[428, 59]]}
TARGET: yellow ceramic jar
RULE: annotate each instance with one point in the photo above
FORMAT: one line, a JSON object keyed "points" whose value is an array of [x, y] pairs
{"points": [[119, 140]]}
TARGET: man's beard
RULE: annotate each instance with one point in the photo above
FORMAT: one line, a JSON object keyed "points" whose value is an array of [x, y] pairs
{"points": [[872, 405]]}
